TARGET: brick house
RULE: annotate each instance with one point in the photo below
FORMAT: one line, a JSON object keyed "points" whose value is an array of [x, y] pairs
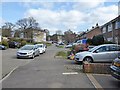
{"points": [[111, 30], [95, 31]]}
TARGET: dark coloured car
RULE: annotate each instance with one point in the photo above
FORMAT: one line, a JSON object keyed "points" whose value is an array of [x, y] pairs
{"points": [[14, 44], [115, 68], [3, 47]]}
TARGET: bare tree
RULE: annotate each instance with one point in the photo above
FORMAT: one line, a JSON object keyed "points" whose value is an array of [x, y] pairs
{"points": [[69, 36], [27, 26], [7, 29]]}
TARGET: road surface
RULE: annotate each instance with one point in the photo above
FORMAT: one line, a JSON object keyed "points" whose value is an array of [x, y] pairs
{"points": [[47, 72]]}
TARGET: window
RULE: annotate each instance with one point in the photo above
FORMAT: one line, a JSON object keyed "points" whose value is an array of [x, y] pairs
{"points": [[114, 48], [109, 39], [104, 30], [109, 27], [116, 25], [103, 49]]}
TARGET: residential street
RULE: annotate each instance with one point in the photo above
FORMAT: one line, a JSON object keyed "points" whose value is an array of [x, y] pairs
{"points": [[47, 72], [10, 62]]}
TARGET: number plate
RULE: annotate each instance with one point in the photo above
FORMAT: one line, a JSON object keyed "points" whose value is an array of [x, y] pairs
{"points": [[117, 64]]}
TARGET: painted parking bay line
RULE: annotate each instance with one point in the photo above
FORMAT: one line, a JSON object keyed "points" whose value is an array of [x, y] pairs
{"points": [[70, 73]]}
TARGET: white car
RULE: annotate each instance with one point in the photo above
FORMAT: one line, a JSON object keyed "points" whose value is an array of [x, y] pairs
{"points": [[41, 48], [101, 53], [28, 51]]}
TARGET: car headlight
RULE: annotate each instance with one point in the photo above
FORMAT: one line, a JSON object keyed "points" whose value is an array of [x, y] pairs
{"points": [[18, 52], [30, 52]]}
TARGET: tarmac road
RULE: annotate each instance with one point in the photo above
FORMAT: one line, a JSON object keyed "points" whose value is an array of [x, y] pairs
{"points": [[9, 61], [47, 72]]}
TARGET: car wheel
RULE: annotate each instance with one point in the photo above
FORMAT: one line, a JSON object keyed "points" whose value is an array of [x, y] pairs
{"points": [[88, 59], [38, 54]]}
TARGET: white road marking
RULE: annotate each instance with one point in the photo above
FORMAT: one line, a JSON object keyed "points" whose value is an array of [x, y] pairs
{"points": [[70, 73]]}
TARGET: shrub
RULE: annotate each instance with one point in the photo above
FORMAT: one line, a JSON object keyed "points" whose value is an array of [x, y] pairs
{"points": [[109, 42], [23, 43], [96, 40], [89, 41], [5, 43]]}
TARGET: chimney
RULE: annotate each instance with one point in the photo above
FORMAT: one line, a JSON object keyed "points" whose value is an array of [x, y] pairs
{"points": [[96, 24]]}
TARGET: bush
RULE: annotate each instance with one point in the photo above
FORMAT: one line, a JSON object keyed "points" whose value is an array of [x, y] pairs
{"points": [[5, 43], [96, 40], [109, 42], [89, 41], [23, 43]]}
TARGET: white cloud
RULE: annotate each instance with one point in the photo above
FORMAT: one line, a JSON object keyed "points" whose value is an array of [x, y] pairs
{"points": [[87, 4], [73, 18]]}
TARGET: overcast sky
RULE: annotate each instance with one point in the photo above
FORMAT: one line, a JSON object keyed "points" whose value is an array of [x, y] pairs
{"points": [[77, 16]]}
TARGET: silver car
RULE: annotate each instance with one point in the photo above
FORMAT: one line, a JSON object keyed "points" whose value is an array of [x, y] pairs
{"points": [[41, 48], [28, 51], [101, 53]]}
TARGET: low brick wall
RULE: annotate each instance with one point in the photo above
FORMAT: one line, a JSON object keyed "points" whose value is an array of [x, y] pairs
{"points": [[96, 68]]}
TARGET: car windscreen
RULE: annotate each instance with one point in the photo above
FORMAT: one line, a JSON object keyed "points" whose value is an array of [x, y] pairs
{"points": [[40, 45], [92, 49], [27, 48]]}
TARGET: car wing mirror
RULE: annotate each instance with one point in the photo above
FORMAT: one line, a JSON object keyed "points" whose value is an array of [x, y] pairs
{"points": [[96, 51]]}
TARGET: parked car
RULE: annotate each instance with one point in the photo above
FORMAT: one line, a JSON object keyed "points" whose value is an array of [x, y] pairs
{"points": [[45, 45], [2, 47], [115, 68], [41, 48], [69, 45], [28, 51], [59, 44], [101, 53], [14, 44]]}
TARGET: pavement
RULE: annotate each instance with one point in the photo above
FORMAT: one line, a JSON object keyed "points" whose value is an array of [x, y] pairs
{"points": [[47, 72]]}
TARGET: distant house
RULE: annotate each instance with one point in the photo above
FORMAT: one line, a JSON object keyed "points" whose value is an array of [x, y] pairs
{"points": [[81, 36], [39, 36], [111, 30], [95, 31], [58, 38]]}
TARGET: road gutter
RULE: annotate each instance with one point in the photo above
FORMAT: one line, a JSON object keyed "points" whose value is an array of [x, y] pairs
{"points": [[94, 82]]}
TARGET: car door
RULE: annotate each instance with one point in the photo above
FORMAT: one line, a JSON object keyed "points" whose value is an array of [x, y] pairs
{"points": [[114, 52], [101, 54]]}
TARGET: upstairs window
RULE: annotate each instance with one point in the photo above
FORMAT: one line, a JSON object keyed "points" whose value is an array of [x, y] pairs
{"points": [[109, 27], [104, 30]]}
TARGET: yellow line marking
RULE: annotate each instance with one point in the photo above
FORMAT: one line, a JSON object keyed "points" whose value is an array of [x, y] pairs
{"points": [[94, 81]]}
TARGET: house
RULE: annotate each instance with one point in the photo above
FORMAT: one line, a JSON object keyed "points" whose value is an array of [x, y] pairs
{"points": [[95, 31], [111, 30], [58, 38], [39, 36]]}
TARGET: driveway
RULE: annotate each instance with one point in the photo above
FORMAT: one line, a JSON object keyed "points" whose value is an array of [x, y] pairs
{"points": [[47, 72]]}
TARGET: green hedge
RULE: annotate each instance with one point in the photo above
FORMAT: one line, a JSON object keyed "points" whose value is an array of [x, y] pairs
{"points": [[5, 43]]}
